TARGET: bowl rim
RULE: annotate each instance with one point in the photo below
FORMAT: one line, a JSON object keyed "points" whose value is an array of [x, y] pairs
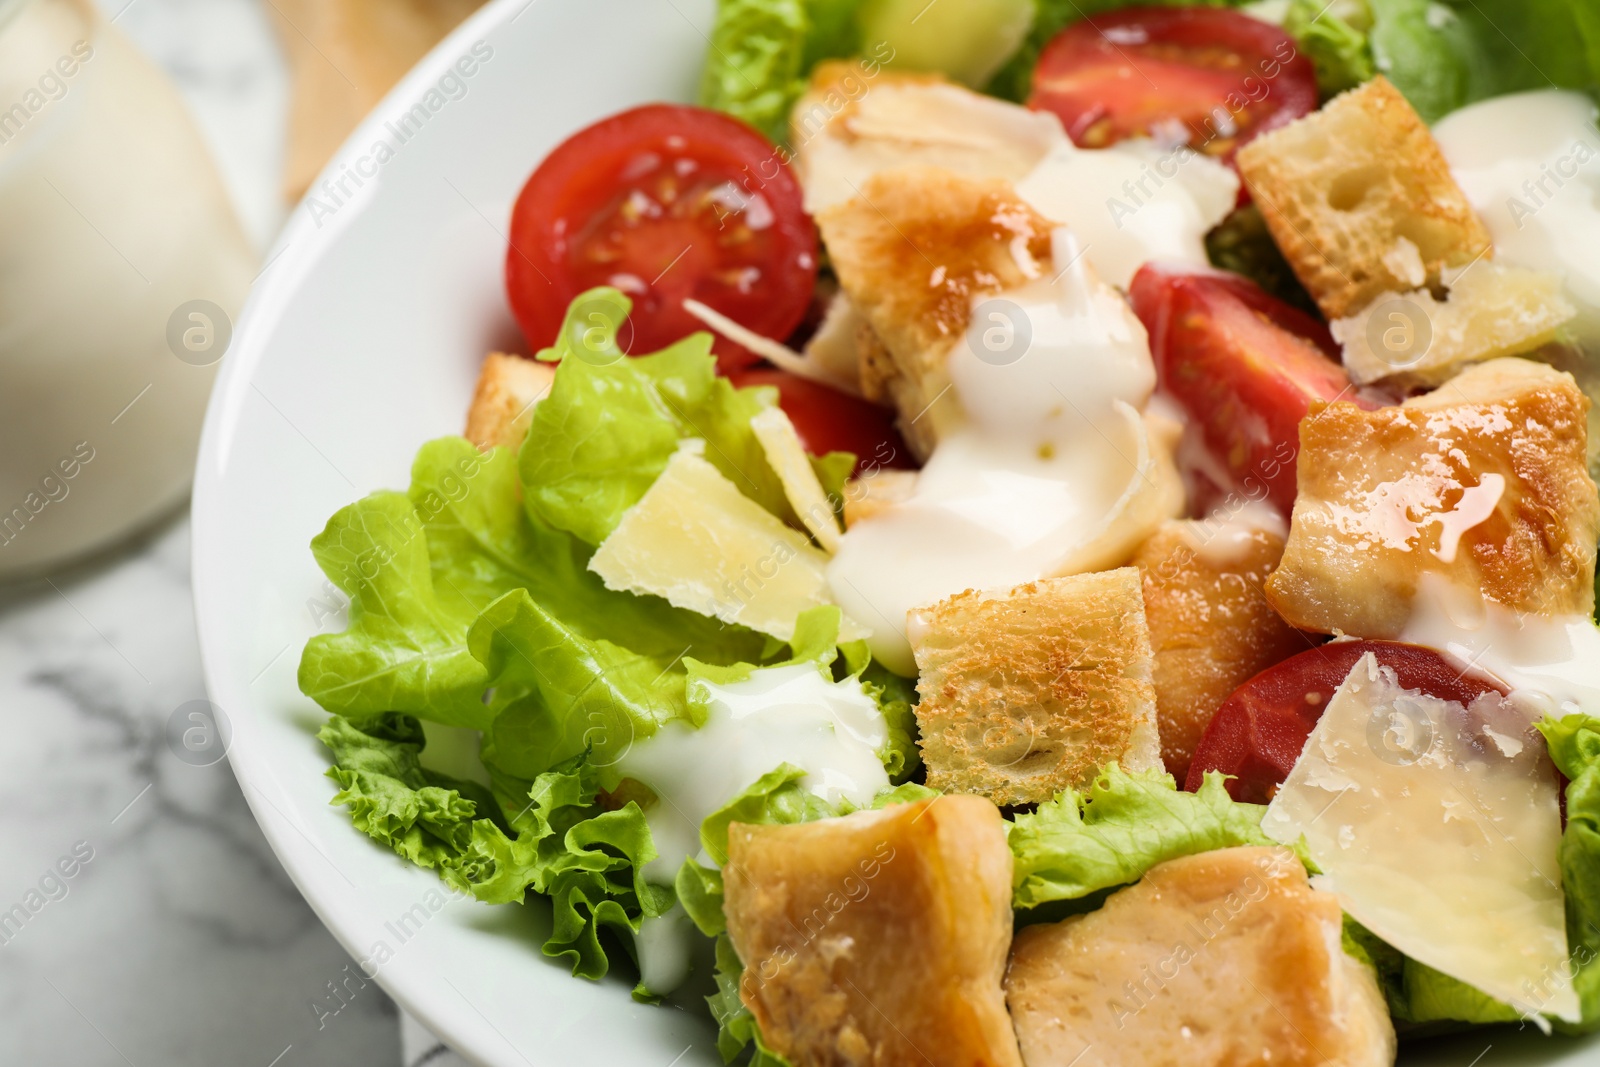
{"points": [[300, 244]]}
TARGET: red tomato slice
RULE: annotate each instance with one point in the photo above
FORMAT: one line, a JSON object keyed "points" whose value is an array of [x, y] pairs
{"points": [[1244, 365], [830, 421], [1224, 76], [1259, 731], [664, 202]]}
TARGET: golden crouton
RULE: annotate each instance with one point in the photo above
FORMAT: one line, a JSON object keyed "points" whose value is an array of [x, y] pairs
{"points": [[874, 491], [1224, 959], [1491, 311], [1211, 627], [502, 404], [1360, 199], [879, 938], [1029, 692], [911, 252], [852, 123], [1482, 480]]}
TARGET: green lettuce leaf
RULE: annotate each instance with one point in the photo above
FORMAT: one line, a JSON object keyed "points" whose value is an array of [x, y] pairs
{"points": [[482, 544], [1432, 996], [700, 892], [776, 798], [1444, 55], [897, 698], [405, 647], [420, 568], [559, 693], [762, 50], [1242, 244], [1334, 40], [1423, 48], [604, 434], [425, 817], [1420, 998], [815, 641], [905, 793], [498, 869], [565, 845], [1530, 44], [833, 470], [1575, 748], [586, 859], [1120, 827], [736, 1027], [755, 62]]}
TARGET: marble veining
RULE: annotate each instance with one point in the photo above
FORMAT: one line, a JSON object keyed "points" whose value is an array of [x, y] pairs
{"points": [[180, 940]]}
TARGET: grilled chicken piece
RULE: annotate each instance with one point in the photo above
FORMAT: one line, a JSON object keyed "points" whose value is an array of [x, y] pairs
{"points": [[1211, 627], [878, 939], [912, 251], [851, 124], [1224, 959], [1482, 481]]}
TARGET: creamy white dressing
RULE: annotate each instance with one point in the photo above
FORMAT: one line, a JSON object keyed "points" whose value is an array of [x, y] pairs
{"points": [[1550, 662], [833, 730], [663, 944], [1053, 451], [1227, 536], [1129, 203], [1477, 503], [1530, 165], [1133, 202]]}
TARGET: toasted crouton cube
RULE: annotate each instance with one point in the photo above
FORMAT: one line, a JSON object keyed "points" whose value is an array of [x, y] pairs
{"points": [[1360, 199], [1482, 481], [502, 404], [850, 125], [875, 491], [912, 251], [1211, 628], [1215, 960], [1491, 311], [878, 938], [1029, 692]]}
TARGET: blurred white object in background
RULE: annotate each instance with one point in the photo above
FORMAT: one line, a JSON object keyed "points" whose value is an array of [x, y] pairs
{"points": [[121, 267]]}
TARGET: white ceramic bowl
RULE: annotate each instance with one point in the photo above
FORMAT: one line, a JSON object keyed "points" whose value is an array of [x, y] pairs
{"points": [[360, 342]]}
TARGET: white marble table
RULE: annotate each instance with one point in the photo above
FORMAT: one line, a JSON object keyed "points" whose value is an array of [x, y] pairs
{"points": [[179, 941]]}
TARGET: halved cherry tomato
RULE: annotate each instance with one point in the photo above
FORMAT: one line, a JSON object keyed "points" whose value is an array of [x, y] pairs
{"points": [[830, 421], [1244, 365], [1259, 731], [664, 202], [1216, 77]]}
